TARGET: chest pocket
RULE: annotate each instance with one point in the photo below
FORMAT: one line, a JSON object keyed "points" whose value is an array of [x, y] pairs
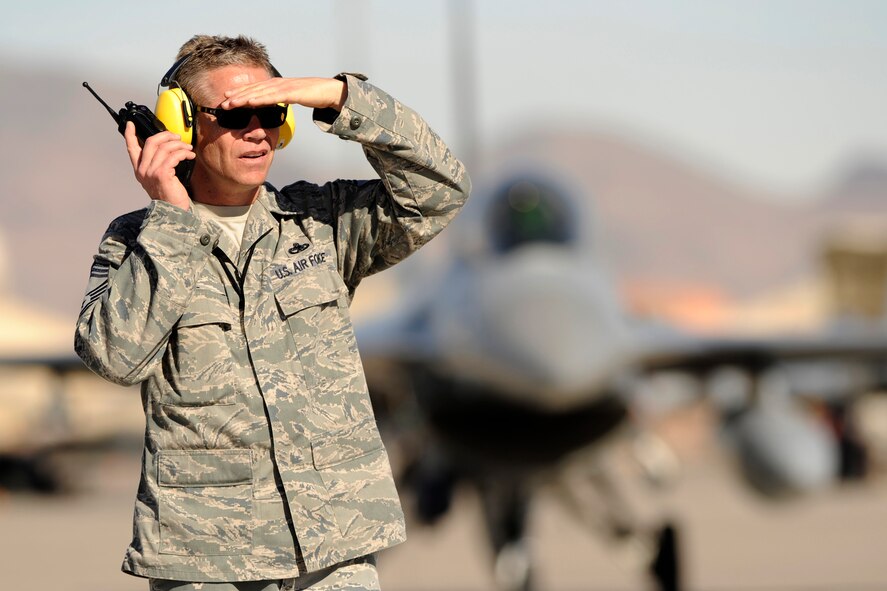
{"points": [[198, 365], [316, 288], [301, 298], [315, 308]]}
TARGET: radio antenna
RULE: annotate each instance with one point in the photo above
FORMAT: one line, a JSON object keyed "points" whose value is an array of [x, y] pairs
{"points": [[104, 104]]}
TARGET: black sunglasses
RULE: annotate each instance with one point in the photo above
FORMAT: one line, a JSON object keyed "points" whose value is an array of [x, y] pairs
{"points": [[239, 118]]}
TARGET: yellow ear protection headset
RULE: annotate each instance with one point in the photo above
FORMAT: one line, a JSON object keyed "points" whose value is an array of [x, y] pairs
{"points": [[176, 110]]}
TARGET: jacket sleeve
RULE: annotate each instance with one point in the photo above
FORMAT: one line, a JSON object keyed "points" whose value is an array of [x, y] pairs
{"points": [[421, 188], [139, 285]]}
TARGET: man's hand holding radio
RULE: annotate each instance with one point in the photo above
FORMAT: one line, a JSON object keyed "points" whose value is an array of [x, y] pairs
{"points": [[154, 165], [316, 93]]}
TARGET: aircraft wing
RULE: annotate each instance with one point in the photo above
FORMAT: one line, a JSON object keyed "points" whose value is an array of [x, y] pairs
{"points": [[846, 360], [398, 337], [703, 354], [57, 363]]}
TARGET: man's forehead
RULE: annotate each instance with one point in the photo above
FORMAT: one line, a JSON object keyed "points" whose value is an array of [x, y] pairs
{"points": [[218, 80]]}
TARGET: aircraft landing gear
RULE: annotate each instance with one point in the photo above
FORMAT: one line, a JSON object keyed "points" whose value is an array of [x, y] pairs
{"points": [[30, 474], [505, 506], [665, 568]]}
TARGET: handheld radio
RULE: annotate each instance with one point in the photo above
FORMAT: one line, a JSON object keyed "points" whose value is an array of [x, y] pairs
{"points": [[146, 125]]}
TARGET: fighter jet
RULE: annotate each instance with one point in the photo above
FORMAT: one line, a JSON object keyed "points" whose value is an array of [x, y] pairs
{"points": [[517, 364], [50, 403]]}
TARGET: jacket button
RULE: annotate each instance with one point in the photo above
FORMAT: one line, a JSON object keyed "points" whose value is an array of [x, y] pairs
{"points": [[204, 240], [356, 122]]}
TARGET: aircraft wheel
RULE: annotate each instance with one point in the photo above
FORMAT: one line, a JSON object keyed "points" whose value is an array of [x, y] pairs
{"points": [[513, 567]]}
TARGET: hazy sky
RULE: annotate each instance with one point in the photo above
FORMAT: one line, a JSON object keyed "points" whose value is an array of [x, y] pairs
{"points": [[777, 94]]}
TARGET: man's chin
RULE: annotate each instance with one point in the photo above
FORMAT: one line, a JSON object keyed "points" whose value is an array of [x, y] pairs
{"points": [[252, 181], [253, 174], [248, 177], [232, 183]]}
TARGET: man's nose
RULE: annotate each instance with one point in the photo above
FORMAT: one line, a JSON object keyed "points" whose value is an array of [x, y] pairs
{"points": [[254, 129]]}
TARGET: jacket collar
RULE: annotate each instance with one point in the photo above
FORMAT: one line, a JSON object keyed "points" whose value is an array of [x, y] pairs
{"points": [[272, 199]]}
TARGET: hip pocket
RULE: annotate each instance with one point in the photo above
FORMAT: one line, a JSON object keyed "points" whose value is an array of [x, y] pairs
{"points": [[205, 502], [354, 468]]}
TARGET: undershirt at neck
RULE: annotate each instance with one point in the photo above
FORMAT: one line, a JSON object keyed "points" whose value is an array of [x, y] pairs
{"points": [[230, 218]]}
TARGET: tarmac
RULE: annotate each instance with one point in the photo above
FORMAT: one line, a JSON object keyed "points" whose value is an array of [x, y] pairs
{"points": [[731, 539]]}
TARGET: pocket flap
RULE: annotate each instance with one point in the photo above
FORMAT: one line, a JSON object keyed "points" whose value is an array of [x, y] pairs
{"points": [[309, 289], [346, 444], [222, 467], [207, 310]]}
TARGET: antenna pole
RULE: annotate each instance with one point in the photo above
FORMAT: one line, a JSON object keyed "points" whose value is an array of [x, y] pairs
{"points": [[463, 56], [104, 104]]}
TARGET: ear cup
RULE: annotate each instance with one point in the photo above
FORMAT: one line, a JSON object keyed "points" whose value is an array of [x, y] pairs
{"points": [[175, 111], [288, 129]]}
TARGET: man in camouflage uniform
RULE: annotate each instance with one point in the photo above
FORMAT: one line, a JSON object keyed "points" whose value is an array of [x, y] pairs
{"points": [[262, 460]]}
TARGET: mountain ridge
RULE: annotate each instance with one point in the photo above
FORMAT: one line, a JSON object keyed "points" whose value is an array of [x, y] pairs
{"points": [[66, 175]]}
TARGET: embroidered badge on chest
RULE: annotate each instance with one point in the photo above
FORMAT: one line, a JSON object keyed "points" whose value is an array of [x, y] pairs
{"points": [[299, 265]]}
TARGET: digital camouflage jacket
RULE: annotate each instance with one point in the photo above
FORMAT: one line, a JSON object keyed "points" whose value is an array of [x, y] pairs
{"points": [[259, 427]]}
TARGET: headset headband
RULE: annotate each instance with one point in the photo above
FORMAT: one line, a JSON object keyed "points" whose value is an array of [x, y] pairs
{"points": [[170, 77]]}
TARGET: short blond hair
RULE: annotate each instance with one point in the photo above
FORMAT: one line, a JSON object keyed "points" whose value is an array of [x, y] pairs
{"points": [[208, 52]]}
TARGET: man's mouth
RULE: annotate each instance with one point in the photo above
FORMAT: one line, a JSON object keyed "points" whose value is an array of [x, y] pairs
{"points": [[255, 154]]}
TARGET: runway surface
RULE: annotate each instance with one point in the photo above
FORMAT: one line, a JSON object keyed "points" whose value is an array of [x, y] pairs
{"points": [[732, 540]]}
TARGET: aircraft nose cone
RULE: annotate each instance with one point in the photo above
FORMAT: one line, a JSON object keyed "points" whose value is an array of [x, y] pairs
{"points": [[552, 321], [547, 330]]}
